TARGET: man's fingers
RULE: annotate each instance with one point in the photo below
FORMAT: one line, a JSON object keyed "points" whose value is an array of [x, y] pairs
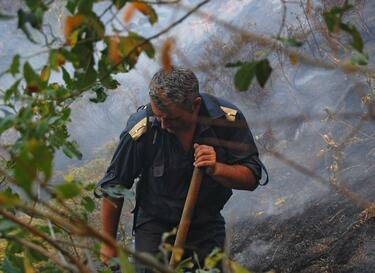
{"points": [[206, 158], [204, 150], [206, 163]]}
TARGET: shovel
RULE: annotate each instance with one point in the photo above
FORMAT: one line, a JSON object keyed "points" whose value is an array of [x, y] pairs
{"points": [[187, 214]]}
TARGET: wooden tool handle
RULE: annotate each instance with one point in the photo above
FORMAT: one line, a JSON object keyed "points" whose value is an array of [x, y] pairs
{"points": [[187, 213]]}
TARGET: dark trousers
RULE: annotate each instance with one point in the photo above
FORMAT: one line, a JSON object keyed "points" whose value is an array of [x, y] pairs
{"points": [[201, 240]]}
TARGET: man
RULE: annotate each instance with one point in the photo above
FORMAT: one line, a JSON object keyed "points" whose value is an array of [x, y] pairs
{"points": [[162, 142]]}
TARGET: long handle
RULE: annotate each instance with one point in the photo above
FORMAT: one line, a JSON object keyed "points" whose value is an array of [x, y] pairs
{"points": [[187, 214]]}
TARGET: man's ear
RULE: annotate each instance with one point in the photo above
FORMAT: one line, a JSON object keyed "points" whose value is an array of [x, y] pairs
{"points": [[197, 104]]}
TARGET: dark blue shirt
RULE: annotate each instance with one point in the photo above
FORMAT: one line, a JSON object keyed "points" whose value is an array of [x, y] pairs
{"points": [[169, 171]]}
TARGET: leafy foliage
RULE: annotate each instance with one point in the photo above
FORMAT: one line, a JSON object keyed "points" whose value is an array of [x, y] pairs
{"points": [[248, 70], [334, 21], [36, 111]]}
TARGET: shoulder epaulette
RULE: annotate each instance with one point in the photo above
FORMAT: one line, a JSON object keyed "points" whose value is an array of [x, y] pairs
{"points": [[138, 129], [230, 114]]}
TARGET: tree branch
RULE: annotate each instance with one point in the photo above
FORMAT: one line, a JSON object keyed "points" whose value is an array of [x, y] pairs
{"points": [[40, 250], [340, 188], [264, 41], [42, 235]]}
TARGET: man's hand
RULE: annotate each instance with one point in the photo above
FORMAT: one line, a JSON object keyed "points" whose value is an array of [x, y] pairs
{"points": [[205, 156], [106, 253], [236, 176]]}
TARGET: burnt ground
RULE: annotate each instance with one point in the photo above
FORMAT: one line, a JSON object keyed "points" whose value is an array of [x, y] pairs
{"points": [[326, 237]]}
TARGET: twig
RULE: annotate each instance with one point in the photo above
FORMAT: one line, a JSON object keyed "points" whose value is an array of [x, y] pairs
{"points": [[334, 216], [264, 41], [82, 268], [157, 35], [340, 188], [40, 250], [52, 232], [105, 10], [311, 31], [283, 18], [273, 256], [144, 259]]}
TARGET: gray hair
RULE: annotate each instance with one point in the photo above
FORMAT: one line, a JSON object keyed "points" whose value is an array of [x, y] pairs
{"points": [[179, 85]]}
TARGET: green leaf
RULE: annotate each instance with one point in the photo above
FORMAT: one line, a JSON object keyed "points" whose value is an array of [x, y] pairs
{"points": [[84, 55], [35, 19], [263, 71], [104, 69], [148, 11], [14, 67], [90, 187], [36, 4], [13, 248], [6, 225], [45, 73], [33, 81], [70, 149], [13, 90], [213, 258], [132, 46], [332, 21], [85, 6], [70, 56], [6, 123], [109, 82], [49, 267], [356, 41], [56, 59], [34, 256], [334, 15], [8, 200], [65, 114], [117, 191], [88, 204], [244, 76], [125, 265], [237, 268], [67, 190], [43, 159], [119, 3], [359, 58], [341, 10], [105, 270], [100, 94], [9, 267], [34, 157], [66, 77], [52, 120], [71, 5], [85, 80], [294, 42], [184, 265], [95, 26], [24, 172]]}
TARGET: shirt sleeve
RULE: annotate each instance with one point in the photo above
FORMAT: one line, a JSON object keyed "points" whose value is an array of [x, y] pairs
{"points": [[126, 163], [247, 153]]}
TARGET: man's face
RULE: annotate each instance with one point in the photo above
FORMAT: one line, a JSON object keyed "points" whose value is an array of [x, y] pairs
{"points": [[176, 119]]}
